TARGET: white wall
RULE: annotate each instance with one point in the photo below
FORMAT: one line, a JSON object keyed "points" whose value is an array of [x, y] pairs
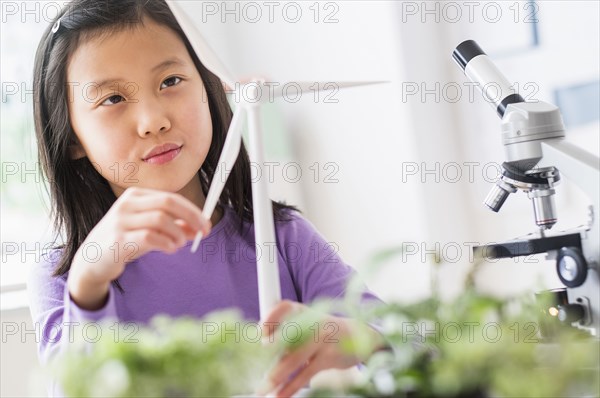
{"points": [[21, 374]]}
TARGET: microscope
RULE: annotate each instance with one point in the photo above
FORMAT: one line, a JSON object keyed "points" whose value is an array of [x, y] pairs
{"points": [[537, 156]]}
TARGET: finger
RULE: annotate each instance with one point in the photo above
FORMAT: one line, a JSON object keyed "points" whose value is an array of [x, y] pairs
{"points": [[314, 366], [158, 221], [175, 204], [291, 362], [190, 233], [148, 239], [277, 314]]}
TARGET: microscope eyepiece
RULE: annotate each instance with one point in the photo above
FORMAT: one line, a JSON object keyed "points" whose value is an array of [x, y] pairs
{"points": [[480, 69], [465, 52]]}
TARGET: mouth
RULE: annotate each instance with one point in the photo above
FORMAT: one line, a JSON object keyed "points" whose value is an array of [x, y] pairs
{"points": [[162, 154]]}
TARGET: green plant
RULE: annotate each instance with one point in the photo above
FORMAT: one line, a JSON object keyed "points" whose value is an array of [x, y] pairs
{"points": [[182, 357], [474, 345]]}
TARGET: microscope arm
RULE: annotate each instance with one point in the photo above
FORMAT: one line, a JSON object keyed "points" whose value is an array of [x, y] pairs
{"points": [[583, 169]]}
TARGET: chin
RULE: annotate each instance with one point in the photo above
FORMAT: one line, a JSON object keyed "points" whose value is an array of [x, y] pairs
{"points": [[167, 186], [170, 187]]}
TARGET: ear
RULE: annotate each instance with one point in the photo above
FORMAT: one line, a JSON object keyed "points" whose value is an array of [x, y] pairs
{"points": [[76, 150]]}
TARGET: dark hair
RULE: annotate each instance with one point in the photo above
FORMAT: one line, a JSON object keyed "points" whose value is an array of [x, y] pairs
{"points": [[80, 196]]}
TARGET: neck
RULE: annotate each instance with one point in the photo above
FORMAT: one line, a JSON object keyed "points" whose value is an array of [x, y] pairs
{"points": [[193, 192]]}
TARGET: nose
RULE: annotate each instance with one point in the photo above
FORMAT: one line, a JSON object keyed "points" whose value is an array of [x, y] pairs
{"points": [[153, 118]]}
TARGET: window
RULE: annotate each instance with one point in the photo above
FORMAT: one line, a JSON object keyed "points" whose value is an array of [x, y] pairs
{"points": [[24, 206]]}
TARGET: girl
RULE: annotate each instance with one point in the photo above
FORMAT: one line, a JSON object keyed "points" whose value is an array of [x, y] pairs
{"points": [[130, 126]]}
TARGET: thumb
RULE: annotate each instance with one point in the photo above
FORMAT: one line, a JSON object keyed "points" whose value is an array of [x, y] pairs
{"points": [[282, 310]]}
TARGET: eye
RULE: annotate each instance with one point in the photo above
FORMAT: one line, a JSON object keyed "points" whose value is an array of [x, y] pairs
{"points": [[114, 99], [172, 80]]}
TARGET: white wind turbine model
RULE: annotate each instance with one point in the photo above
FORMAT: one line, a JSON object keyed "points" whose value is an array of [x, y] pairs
{"points": [[269, 290]]}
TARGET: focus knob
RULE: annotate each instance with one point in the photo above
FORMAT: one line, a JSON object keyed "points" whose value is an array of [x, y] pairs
{"points": [[571, 266]]}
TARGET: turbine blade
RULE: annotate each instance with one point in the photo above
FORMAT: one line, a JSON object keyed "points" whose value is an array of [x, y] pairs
{"points": [[207, 56], [308, 87], [268, 90], [229, 154], [331, 85]]}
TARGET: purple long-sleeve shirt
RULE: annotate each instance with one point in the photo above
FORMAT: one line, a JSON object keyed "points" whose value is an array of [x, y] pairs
{"points": [[221, 274]]}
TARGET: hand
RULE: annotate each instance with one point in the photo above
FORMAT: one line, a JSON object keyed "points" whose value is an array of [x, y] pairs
{"points": [[139, 221], [321, 351]]}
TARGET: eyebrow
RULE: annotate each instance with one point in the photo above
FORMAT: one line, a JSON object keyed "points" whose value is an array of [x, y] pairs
{"points": [[167, 63], [163, 65]]}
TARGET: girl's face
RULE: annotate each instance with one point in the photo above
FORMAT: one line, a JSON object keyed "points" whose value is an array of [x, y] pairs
{"points": [[129, 94]]}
